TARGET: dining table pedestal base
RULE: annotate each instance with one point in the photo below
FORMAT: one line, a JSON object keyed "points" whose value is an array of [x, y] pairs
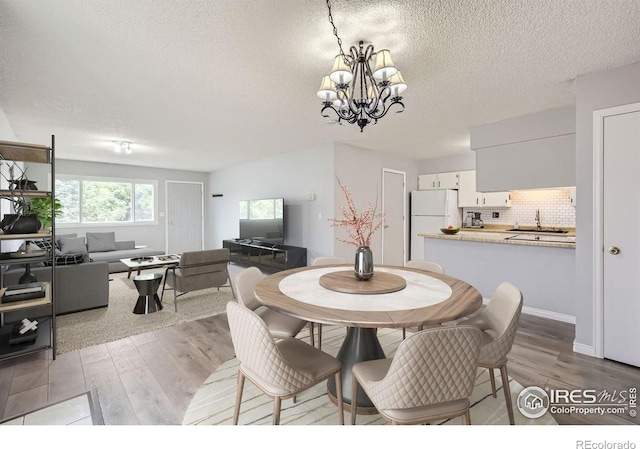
{"points": [[360, 344]]}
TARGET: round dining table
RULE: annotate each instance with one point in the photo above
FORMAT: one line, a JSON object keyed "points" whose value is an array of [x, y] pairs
{"points": [[395, 297]]}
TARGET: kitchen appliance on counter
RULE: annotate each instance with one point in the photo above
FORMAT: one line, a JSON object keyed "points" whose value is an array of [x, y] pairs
{"points": [[473, 220], [432, 210]]}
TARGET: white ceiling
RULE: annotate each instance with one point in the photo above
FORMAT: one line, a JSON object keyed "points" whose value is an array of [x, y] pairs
{"points": [[201, 85]]}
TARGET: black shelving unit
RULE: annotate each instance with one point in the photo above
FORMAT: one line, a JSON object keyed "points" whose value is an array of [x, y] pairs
{"points": [[41, 309]]}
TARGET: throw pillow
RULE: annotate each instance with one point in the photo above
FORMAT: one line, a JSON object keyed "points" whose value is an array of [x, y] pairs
{"points": [[72, 246], [64, 236], [68, 259], [101, 241]]}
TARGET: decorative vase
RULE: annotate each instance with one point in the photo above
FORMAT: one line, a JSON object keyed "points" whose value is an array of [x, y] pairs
{"points": [[20, 224], [363, 268]]}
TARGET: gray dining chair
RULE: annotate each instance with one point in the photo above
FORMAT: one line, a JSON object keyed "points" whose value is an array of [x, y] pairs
{"points": [[279, 324], [281, 369], [430, 377], [498, 323], [320, 261], [425, 265]]}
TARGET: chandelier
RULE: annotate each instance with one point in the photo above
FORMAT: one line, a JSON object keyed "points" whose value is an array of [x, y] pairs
{"points": [[356, 93]]}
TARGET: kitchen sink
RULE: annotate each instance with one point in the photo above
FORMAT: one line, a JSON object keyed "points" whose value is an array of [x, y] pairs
{"points": [[542, 238], [549, 231]]}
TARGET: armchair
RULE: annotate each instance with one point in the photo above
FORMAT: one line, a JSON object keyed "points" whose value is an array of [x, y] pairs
{"points": [[198, 270]]}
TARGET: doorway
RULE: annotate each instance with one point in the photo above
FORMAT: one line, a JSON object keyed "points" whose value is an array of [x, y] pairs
{"points": [[185, 216], [617, 139], [394, 206]]}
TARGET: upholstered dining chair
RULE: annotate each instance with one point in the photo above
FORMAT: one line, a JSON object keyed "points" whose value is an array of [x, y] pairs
{"points": [[281, 369], [319, 261], [498, 322], [425, 265], [279, 324], [197, 270], [430, 377]]}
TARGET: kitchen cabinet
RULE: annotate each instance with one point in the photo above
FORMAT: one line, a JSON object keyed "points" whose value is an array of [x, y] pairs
{"points": [[438, 181], [468, 196]]}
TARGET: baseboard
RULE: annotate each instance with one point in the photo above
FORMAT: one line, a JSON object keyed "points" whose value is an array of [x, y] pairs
{"points": [[581, 348], [543, 313]]}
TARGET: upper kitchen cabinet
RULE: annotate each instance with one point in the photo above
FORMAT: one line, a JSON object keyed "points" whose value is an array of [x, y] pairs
{"points": [[468, 195], [438, 181], [529, 152]]}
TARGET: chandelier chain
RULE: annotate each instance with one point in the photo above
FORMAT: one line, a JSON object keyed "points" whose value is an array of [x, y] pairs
{"points": [[335, 32]]}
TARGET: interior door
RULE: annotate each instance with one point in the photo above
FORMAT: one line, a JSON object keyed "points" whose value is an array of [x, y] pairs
{"points": [[394, 207], [185, 217], [621, 241]]}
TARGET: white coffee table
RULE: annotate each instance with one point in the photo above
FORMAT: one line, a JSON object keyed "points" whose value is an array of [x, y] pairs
{"points": [[144, 263]]}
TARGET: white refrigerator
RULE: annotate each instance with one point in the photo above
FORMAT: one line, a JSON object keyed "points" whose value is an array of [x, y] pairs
{"points": [[430, 211]]}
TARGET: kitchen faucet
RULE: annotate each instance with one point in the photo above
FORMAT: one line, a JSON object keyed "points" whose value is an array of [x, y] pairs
{"points": [[538, 220]]}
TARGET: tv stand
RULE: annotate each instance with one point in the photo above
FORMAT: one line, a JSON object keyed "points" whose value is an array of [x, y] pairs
{"points": [[265, 255]]}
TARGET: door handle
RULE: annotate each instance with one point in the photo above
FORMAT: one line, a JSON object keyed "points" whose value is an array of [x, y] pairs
{"points": [[614, 250]]}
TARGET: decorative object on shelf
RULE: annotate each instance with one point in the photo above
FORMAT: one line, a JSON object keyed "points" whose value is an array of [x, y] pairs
{"points": [[360, 228], [23, 184], [371, 94], [20, 254], [42, 208], [25, 332], [28, 277], [20, 224]]}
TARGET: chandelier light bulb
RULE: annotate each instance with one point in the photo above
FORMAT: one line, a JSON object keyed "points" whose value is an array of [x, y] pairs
{"points": [[341, 73], [327, 91], [397, 84], [384, 68]]}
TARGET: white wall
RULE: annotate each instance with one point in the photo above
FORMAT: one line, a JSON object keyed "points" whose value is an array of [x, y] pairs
{"points": [[361, 169], [594, 91], [6, 133], [292, 176], [150, 235]]}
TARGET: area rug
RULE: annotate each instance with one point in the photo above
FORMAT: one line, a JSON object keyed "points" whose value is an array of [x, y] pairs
{"points": [[97, 326], [214, 401]]}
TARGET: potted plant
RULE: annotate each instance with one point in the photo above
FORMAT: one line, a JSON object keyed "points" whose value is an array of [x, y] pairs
{"points": [[42, 208]]}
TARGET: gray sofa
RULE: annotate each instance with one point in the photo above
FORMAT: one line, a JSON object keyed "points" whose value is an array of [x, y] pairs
{"points": [[124, 250], [102, 247], [78, 287]]}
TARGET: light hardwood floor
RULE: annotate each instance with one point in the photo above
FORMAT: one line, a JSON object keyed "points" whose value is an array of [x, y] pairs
{"points": [[150, 378]]}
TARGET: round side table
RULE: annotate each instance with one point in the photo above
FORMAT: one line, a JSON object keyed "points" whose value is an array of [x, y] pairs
{"points": [[148, 300]]}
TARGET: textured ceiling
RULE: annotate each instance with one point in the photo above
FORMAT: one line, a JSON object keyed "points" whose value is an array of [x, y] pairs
{"points": [[201, 85]]}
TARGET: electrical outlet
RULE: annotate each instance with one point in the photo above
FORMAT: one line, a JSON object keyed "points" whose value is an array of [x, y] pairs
{"points": [[496, 215]]}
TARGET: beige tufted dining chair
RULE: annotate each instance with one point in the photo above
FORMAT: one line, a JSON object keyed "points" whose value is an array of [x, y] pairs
{"points": [[319, 261], [425, 265], [498, 323], [430, 377], [279, 324], [281, 369]]}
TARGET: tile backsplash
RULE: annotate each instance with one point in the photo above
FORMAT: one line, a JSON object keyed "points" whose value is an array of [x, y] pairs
{"points": [[554, 205]]}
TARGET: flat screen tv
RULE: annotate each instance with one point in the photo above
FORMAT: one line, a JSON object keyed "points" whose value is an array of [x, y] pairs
{"points": [[262, 220]]}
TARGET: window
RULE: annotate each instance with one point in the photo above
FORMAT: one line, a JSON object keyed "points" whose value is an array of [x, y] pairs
{"points": [[105, 201]]}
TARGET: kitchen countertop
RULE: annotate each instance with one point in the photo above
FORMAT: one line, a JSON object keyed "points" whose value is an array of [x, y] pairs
{"points": [[499, 234]]}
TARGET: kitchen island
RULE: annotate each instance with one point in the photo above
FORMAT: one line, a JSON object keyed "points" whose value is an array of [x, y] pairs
{"points": [[543, 270]]}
